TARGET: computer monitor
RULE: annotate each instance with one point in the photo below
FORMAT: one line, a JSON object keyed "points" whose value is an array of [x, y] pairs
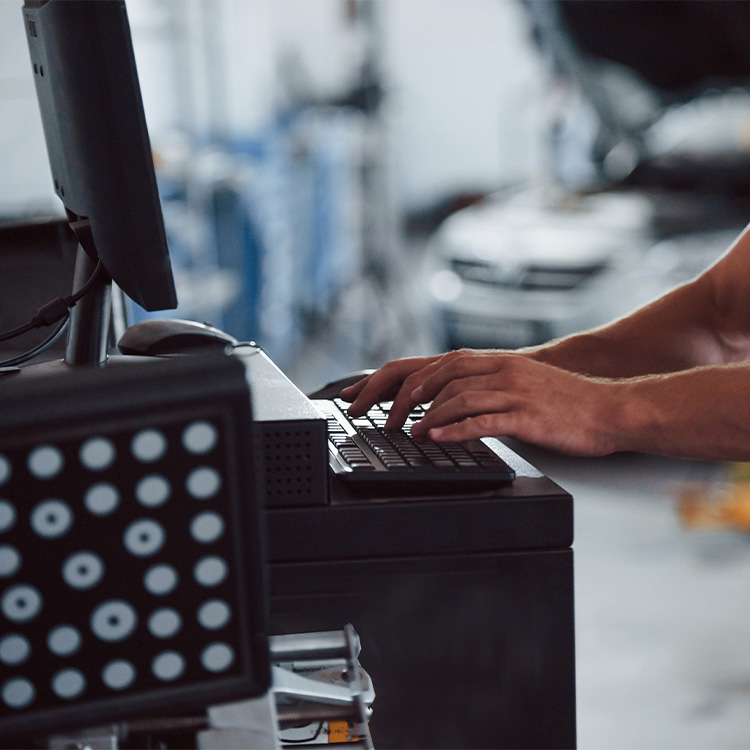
{"points": [[101, 160], [173, 618]]}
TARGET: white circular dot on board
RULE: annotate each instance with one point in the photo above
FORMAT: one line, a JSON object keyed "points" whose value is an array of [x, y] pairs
{"points": [[102, 499], [45, 462], [97, 453], [51, 519], [217, 657], [207, 527], [7, 515], [113, 621], [5, 469], [200, 437], [148, 446], [164, 623], [168, 666], [10, 560], [68, 683], [18, 692], [153, 491], [160, 580], [203, 483], [144, 537], [210, 571], [118, 674], [214, 614], [21, 603], [83, 570], [14, 649], [64, 640]]}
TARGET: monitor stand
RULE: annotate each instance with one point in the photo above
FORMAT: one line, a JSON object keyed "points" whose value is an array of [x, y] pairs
{"points": [[88, 334]]}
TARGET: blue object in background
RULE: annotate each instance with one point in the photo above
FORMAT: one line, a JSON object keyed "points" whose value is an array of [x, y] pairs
{"points": [[265, 233]]}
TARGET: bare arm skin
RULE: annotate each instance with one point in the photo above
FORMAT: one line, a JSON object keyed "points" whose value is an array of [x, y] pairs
{"points": [[704, 322], [673, 377]]}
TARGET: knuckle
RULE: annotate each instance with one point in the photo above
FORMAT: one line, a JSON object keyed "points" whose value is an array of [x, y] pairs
{"points": [[511, 422], [464, 399], [391, 368], [511, 380], [455, 354], [450, 390], [455, 363], [485, 423], [512, 371], [411, 381]]}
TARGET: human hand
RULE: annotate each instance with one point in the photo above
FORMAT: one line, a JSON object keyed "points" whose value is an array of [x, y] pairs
{"points": [[394, 381], [489, 393]]}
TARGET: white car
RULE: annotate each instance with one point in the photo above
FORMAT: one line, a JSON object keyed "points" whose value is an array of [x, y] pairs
{"points": [[542, 263]]}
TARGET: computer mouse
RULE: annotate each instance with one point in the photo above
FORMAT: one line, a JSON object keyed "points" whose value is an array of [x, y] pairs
{"points": [[173, 336]]}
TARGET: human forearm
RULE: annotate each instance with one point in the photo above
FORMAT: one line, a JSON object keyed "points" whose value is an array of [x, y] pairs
{"points": [[702, 413], [704, 322], [672, 333]]}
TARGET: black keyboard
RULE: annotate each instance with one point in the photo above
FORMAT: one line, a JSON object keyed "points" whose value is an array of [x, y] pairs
{"points": [[367, 456]]}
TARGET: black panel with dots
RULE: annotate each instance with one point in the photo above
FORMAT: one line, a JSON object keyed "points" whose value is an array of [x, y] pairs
{"points": [[295, 463], [289, 460], [126, 582]]}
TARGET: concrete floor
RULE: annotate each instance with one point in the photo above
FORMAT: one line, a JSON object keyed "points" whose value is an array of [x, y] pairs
{"points": [[662, 612]]}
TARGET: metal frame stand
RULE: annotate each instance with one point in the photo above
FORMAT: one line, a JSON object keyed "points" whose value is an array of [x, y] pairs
{"points": [[319, 694]]}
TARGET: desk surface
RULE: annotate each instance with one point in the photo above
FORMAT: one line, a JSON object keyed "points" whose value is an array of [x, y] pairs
{"points": [[530, 513], [662, 612]]}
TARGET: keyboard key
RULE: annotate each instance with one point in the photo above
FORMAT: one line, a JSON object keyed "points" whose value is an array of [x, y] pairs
{"points": [[367, 455]]}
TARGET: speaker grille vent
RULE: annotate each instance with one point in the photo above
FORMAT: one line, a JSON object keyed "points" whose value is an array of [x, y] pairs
{"points": [[289, 458]]}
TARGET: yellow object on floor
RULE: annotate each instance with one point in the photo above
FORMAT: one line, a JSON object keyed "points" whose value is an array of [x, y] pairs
{"points": [[726, 507]]}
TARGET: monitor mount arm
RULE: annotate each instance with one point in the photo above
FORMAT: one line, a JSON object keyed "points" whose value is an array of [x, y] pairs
{"points": [[88, 335]]}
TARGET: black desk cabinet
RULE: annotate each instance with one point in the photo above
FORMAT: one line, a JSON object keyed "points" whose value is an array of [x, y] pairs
{"points": [[464, 607]]}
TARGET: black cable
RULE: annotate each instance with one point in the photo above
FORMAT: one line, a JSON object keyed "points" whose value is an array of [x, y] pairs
{"points": [[86, 288], [16, 331], [307, 739], [38, 349], [55, 310]]}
